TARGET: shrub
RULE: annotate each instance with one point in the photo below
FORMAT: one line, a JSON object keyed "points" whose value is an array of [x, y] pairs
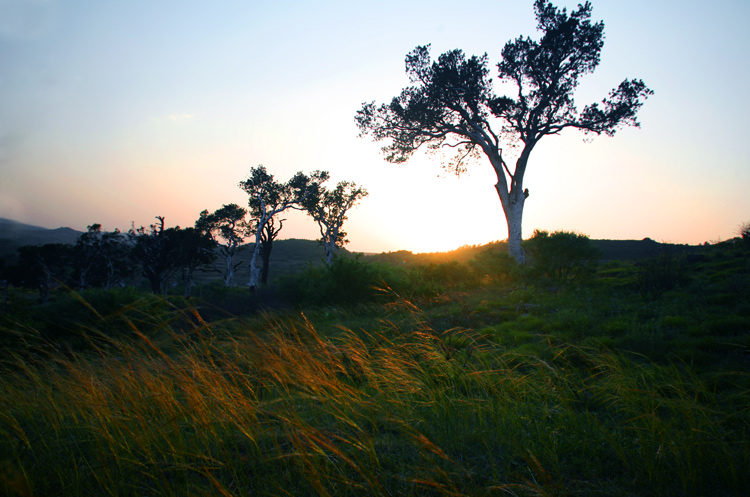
{"points": [[347, 281], [494, 265], [563, 255]]}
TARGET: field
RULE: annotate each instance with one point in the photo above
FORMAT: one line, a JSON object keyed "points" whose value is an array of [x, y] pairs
{"points": [[630, 380]]}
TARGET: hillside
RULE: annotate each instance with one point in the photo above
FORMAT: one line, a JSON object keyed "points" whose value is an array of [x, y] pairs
{"points": [[14, 234]]}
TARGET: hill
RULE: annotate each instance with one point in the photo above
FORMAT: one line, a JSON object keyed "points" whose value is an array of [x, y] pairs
{"points": [[14, 234]]}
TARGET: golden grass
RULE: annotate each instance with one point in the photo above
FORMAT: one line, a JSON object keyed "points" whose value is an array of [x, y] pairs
{"points": [[279, 409]]}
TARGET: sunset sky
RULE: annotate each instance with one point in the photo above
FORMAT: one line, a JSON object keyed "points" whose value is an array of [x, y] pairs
{"points": [[117, 111]]}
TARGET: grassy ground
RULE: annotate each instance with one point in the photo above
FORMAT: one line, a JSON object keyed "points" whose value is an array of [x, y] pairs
{"points": [[629, 384]]}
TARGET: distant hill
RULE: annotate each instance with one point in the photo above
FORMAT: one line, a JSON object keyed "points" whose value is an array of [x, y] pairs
{"points": [[612, 250], [14, 234]]}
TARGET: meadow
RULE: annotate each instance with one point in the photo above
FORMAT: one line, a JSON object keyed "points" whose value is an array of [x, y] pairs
{"points": [[455, 378]]}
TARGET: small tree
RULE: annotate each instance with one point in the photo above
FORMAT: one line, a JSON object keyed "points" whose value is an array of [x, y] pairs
{"points": [[194, 251], [328, 208], [228, 228], [157, 252], [99, 258], [269, 198], [562, 255], [452, 104]]}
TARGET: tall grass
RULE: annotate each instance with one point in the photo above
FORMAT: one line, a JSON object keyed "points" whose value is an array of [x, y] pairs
{"points": [[178, 406]]}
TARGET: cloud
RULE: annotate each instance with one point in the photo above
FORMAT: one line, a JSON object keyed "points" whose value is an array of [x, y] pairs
{"points": [[180, 117]]}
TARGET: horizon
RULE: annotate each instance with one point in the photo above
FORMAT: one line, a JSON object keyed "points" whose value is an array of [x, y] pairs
{"points": [[365, 252], [117, 113]]}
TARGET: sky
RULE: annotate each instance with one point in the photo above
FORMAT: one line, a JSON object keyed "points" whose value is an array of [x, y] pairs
{"points": [[115, 111]]}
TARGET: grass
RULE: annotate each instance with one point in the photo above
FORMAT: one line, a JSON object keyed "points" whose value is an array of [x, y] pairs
{"points": [[510, 389]]}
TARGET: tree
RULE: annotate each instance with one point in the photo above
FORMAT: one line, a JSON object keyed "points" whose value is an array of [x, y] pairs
{"points": [[452, 104], [194, 250], [228, 228], [115, 258], [328, 208], [157, 251], [268, 198], [267, 236], [99, 258]]}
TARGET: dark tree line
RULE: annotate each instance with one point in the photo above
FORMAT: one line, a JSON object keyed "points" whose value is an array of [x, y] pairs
{"points": [[101, 259]]}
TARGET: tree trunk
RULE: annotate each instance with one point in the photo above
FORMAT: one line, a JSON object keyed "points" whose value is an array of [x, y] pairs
{"points": [[513, 199], [514, 217], [229, 275]]}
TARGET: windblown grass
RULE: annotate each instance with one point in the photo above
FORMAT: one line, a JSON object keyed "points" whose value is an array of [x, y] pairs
{"points": [[179, 407]]}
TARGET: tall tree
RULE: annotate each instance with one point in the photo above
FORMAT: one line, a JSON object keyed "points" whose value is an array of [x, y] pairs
{"points": [[451, 104], [329, 209], [269, 198], [228, 228]]}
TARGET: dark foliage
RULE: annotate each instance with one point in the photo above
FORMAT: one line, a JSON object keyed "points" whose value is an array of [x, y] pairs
{"points": [[563, 255]]}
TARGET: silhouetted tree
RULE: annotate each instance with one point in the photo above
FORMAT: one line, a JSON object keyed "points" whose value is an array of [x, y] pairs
{"points": [[328, 208], [157, 252], [452, 103], [194, 251], [228, 228], [269, 234], [99, 258], [269, 198]]}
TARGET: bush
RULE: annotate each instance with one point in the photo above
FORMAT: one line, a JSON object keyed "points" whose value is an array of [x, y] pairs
{"points": [[744, 232], [494, 265], [563, 255], [347, 281]]}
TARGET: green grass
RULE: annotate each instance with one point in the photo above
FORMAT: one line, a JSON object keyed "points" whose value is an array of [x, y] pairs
{"points": [[505, 389]]}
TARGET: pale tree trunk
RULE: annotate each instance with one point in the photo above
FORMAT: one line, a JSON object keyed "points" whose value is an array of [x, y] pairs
{"points": [[513, 199], [229, 275], [328, 234], [514, 217]]}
